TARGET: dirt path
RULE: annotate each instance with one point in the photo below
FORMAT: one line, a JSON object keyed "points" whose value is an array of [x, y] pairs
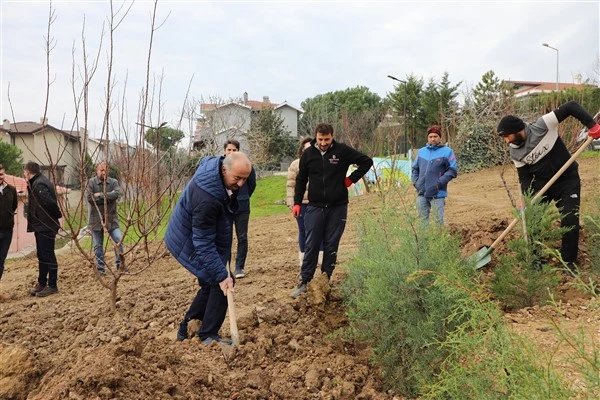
{"points": [[70, 346]]}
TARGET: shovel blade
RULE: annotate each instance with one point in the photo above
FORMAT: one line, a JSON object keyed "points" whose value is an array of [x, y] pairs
{"points": [[482, 257]]}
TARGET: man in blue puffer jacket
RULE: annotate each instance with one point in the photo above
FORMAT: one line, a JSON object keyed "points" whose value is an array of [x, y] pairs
{"points": [[433, 168], [199, 236]]}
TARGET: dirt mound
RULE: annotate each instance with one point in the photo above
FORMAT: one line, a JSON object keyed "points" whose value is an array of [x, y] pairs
{"points": [[19, 372]]}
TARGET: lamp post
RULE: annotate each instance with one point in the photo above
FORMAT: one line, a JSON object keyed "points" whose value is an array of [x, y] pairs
{"points": [[404, 116], [555, 49]]}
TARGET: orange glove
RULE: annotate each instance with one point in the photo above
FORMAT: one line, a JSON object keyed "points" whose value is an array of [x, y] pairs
{"points": [[594, 131], [348, 182], [296, 210]]}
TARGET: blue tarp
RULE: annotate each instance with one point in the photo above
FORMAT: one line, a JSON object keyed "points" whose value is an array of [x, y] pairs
{"points": [[380, 163]]}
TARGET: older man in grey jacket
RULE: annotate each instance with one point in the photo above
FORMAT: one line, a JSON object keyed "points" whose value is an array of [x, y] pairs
{"points": [[103, 195]]}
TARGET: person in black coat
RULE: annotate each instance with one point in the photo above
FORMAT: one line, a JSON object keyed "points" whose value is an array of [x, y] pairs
{"points": [[43, 214], [325, 163], [8, 207]]}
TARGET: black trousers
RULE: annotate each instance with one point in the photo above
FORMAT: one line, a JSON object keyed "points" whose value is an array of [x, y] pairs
{"points": [[209, 306], [5, 240], [47, 264], [567, 193], [326, 226]]}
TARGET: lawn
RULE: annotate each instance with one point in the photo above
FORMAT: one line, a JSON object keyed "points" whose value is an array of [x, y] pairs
{"points": [[269, 197]]}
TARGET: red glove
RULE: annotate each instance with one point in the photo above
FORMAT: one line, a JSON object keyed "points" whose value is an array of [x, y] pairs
{"points": [[296, 210], [348, 182], [594, 131]]}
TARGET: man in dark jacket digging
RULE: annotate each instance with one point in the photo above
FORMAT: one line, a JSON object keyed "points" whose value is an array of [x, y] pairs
{"points": [[199, 236], [538, 153], [325, 163]]}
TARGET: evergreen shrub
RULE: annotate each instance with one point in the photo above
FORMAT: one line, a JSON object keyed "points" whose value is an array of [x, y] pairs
{"points": [[435, 334], [523, 276]]}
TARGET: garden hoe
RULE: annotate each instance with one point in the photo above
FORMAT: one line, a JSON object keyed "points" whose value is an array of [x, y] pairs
{"points": [[483, 256], [229, 349]]}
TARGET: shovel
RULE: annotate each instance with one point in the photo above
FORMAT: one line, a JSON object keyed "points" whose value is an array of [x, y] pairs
{"points": [[229, 350], [482, 257]]}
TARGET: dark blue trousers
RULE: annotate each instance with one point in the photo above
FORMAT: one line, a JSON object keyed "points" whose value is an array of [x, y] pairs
{"points": [[209, 306], [5, 240], [326, 226], [47, 264], [241, 233]]}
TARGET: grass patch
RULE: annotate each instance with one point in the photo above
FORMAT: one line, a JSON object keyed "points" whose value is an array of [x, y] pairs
{"points": [[589, 154], [269, 197]]}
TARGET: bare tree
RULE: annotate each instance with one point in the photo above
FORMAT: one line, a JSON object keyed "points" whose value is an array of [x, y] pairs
{"points": [[149, 177]]}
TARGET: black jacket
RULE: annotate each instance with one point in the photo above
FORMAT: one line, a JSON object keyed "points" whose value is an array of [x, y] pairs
{"points": [[8, 206], [42, 207], [327, 173]]}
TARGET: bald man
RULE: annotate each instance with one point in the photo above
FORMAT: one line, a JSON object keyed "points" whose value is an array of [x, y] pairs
{"points": [[199, 236]]}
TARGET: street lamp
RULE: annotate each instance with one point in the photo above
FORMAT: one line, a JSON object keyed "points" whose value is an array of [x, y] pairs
{"points": [[404, 116], [554, 48]]}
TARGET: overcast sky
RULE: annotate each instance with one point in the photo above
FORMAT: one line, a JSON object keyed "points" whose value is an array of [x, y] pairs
{"points": [[285, 50]]}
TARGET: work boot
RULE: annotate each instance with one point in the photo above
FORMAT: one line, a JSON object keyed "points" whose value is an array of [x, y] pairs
{"points": [[36, 289], [182, 332], [302, 288], [47, 291]]}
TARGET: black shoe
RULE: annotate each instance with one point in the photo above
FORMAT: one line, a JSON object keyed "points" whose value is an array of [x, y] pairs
{"points": [[571, 269], [211, 339], [302, 288], [36, 289], [182, 332], [47, 291]]}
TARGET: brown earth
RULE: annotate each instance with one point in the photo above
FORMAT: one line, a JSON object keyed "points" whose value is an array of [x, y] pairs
{"points": [[71, 346]]}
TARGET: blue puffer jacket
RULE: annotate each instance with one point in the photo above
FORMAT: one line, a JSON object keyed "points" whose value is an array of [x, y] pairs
{"points": [[199, 232], [433, 168]]}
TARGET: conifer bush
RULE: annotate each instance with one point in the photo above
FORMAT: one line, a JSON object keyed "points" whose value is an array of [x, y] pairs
{"points": [[523, 276], [435, 334]]}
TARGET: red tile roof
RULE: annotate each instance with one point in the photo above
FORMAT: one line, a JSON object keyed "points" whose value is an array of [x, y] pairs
{"points": [[19, 183]]}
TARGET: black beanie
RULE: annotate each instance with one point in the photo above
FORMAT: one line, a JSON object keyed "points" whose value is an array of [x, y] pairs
{"points": [[510, 124]]}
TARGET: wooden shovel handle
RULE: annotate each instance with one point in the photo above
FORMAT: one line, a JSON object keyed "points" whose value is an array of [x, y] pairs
{"points": [[233, 328], [543, 190]]}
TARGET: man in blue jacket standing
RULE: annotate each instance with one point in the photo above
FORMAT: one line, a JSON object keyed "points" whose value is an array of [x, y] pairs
{"points": [[242, 215], [433, 168], [199, 236]]}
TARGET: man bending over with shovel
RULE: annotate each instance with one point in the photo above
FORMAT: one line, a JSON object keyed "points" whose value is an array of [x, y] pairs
{"points": [[199, 236], [538, 153]]}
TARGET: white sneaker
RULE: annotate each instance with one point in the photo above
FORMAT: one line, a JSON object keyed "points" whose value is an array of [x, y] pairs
{"points": [[239, 274]]}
